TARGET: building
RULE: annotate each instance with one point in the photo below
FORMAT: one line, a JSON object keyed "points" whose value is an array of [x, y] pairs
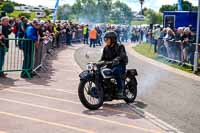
{"points": [[31, 8]]}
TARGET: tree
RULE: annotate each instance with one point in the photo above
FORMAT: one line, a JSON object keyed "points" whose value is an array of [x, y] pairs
{"points": [[65, 12], [47, 12], [98, 11], [8, 7], [187, 6], [121, 13], [168, 8], [153, 17]]}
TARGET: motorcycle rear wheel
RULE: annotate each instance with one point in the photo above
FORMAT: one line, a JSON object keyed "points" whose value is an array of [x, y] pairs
{"points": [[84, 100], [130, 89]]}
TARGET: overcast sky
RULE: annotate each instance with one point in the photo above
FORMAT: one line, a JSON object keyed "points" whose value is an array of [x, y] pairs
{"points": [[134, 4]]}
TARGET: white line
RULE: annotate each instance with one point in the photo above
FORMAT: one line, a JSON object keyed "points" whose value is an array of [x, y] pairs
{"points": [[45, 122], [49, 89], [156, 121], [81, 115]]}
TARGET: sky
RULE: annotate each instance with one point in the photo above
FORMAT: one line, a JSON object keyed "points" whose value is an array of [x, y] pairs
{"points": [[134, 4]]}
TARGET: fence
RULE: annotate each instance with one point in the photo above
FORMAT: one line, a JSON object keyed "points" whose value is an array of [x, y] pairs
{"points": [[45, 49], [18, 55], [175, 51], [22, 55]]}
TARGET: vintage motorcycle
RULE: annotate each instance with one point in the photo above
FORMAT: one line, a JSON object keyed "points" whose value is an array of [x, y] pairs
{"points": [[97, 85]]}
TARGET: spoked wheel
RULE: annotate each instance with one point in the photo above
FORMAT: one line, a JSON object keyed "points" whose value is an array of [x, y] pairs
{"points": [[130, 91], [90, 95]]}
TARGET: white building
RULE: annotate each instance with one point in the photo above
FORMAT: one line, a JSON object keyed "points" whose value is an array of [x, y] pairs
{"points": [[31, 8]]}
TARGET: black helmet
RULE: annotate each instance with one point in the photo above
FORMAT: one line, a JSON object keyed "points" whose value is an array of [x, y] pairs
{"points": [[112, 35]]}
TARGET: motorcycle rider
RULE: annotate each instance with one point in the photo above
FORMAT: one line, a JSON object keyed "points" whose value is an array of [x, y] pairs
{"points": [[117, 54]]}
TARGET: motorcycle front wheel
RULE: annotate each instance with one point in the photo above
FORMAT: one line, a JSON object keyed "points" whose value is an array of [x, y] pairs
{"points": [[90, 95]]}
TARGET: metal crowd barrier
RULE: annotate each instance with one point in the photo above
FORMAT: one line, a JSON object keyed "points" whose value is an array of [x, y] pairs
{"points": [[19, 56], [174, 51], [77, 37], [41, 53]]}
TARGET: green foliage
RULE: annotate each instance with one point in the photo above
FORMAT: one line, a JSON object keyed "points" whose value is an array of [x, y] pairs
{"points": [[186, 5], [96, 11], [168, 8], [153, 17], [121, 13], [27, 15], [47, 12], [7, 7], [20, 13]]}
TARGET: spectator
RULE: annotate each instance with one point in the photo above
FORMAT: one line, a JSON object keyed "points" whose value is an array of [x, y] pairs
{"points": [[93, 37], [99, 35], [156, 35], [5, 30], [161, 48], [21, 30], [188, 47], [85, 34], [32, 34], [169, 36], [179, 44], [68, 35]]}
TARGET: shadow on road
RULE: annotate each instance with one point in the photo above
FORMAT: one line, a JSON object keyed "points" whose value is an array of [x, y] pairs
{"points": [[6, 83], [120, 109]]}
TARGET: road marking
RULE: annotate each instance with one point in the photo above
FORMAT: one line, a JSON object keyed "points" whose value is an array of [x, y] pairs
{"points": [[49, 89], [42, 96], [45, 122], [63, 100], [81, 115], [2, 132], [163, 125]]}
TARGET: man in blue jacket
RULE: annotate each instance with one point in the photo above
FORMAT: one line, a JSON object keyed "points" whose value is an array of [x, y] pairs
{"points": [[31, 33]]}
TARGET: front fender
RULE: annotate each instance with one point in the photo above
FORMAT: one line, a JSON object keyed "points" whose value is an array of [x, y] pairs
{"points": [[86, 75]]}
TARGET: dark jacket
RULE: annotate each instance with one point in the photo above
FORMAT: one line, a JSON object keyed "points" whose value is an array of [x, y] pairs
{"points": [[117, 52], [6, 30]]}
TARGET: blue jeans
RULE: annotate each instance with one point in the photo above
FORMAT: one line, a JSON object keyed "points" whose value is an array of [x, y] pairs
{"points": [[118, 71], [2, 58]]}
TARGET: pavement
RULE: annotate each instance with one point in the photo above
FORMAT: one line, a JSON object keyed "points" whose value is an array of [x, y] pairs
{"points": [[164, 92], [50, 104]]}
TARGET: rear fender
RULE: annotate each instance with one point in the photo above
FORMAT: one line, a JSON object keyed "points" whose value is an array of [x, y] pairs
{"points": [[132, 73]]}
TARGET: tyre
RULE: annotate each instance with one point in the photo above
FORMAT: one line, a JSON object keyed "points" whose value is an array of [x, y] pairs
{"points": [[89, 95], [130, 91]]}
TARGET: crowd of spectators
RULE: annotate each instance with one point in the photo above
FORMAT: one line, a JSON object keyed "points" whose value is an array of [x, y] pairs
{"points": [[178, 45], [34, 32]]}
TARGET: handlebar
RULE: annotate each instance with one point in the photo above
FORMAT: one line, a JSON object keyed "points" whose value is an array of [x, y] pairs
{"points": [[105, 63]]}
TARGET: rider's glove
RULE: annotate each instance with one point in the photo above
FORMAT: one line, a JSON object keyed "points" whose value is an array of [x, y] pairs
{"points": [[115, 62]]}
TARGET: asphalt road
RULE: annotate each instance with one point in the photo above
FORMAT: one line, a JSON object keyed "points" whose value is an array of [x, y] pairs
{"points": [[171, 97], [51, 105]]}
